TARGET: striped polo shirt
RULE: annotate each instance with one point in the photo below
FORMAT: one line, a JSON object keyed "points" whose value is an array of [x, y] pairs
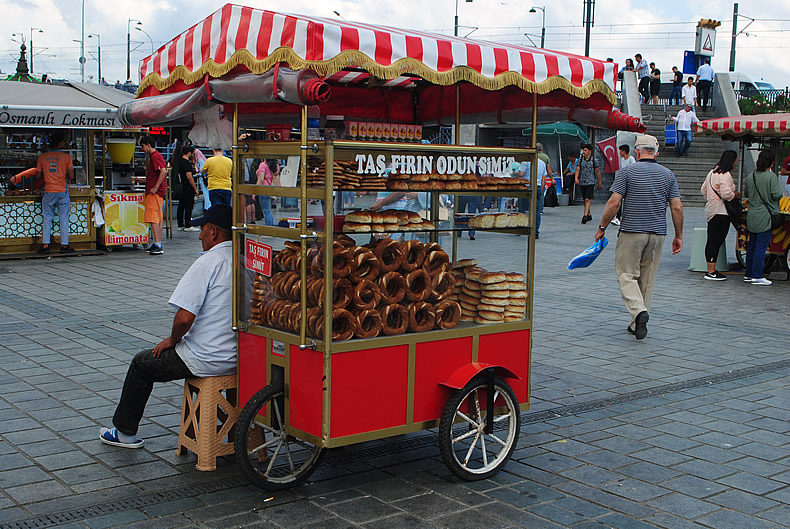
{"points": [[647, 187]]}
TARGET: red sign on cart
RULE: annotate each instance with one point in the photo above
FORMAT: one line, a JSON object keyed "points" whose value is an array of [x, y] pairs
{"points": [[258, 258]]}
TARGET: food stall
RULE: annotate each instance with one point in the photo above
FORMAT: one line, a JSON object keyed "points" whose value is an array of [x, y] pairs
{"points": [[376, 323], [767, 129], [31, 111]]}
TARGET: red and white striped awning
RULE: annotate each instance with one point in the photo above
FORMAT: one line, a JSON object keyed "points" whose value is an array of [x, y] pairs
{"points": [[346, 77], [236, 36], [756, 125]]}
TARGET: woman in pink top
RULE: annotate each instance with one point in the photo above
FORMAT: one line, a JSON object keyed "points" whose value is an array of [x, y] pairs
{"points": [[718, 187], [268, 174]]}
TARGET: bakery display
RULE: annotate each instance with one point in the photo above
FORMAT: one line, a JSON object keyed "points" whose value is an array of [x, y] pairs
{"points": [[386, 287], [454, 182], [388, 220], [499, 220]]}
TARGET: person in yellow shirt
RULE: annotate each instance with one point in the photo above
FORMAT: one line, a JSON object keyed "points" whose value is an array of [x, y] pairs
{"points": [[55, 167], [218, 170]]}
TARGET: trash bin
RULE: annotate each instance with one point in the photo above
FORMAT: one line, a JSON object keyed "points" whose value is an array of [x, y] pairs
{"points": [[698, 263], [563, 199]]}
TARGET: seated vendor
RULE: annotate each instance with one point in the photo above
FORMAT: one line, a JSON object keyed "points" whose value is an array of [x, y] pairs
{"points": [[201, 343]]}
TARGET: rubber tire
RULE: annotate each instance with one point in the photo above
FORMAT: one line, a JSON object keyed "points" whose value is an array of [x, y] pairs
{"points": [[447, 420], [246, 417]]}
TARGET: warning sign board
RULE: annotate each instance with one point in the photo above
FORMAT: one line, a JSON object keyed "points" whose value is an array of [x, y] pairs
{"points": [[706, 41]]}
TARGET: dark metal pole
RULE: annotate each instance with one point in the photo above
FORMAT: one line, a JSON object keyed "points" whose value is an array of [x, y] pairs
{"points": [[543, 31], [128, 52], [588, 23], [734, 35]]}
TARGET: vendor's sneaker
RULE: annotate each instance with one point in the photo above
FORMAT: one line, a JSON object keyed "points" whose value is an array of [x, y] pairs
{"points": [[747, 279], [109, 436], [157, 250], [192, 228], [715, 276], [762, 281], [67, 249], [150, 248]]}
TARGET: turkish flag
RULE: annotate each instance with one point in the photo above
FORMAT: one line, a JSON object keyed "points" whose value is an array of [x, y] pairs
{"points": [[609, 150]]}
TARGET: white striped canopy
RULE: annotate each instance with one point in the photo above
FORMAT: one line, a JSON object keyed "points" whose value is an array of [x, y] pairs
{"points": [[756, 125], [237, 36]]}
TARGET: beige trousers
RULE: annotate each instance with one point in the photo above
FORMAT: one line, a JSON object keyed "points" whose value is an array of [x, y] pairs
{"points": [[636, 264]]}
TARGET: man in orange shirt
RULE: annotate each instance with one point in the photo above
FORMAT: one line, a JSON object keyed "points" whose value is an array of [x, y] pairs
{"points": [[55, 166]]}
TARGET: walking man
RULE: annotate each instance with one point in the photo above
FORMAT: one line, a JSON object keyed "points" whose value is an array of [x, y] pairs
{"points": [[647, 188], [690, 93], [677, 86], [55, 167], [217, 170], [155, 185], [704, 82], [683, 121], [643, 73], [201, 343]]}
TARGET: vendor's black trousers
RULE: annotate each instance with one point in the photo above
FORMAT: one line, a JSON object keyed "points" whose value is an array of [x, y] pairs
{"points": [[143, 372], [644, 88], [704, 93], [185, 204], [718, 227]]}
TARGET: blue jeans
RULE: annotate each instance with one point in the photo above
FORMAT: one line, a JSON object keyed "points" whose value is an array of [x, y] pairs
{"points": [[676, 94], [755, 254], [471, 205], [49, 201], [683, 136], [220, 196], [266, 207], [523, 207]]}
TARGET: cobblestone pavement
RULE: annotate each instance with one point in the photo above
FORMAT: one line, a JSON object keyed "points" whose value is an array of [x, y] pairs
{"points": [[687, 428]]}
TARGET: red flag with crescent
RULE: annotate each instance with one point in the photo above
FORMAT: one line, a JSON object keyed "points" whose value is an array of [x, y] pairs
{"points": [[609, 149]]}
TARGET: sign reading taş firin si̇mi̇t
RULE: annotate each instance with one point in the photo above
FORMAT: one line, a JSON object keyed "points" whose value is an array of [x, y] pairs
{"points": [[427, 164]]}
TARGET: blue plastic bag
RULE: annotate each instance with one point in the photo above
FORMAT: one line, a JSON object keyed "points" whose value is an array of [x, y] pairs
{"points": [[204, 190], [586, 258]]}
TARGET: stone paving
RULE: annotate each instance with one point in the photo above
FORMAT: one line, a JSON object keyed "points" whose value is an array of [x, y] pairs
{"points": [[687, 428]]}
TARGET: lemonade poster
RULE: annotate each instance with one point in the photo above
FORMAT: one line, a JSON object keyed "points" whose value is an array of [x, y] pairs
{"points": [[124, 216]]}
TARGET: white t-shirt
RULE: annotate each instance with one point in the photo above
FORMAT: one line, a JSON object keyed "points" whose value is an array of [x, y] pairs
{"points": [[625, 162], [209, 347], [689, 94], [542, 171]]}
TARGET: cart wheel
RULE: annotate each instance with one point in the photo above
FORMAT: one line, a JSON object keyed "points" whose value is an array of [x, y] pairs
{"points": [[740, 255], [468, 450], [268, 456], [768, 263], [787, 261]]}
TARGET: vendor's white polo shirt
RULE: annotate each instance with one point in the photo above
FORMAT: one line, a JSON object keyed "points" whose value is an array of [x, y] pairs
{"points": [[209, 347]]}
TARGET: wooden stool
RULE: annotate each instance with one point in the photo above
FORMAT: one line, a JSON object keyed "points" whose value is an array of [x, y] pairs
{"points": [[208, 419]]}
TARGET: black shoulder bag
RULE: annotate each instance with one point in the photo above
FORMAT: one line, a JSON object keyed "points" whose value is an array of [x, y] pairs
{"points": [[734, 207], [776, 218]]}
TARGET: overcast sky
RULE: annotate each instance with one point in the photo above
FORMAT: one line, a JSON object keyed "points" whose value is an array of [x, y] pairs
{"points": [[660, 30]]}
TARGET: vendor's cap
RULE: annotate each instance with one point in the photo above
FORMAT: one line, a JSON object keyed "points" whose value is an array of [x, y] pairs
{"points": [[219, 215], [515, 166], [645, 141]]}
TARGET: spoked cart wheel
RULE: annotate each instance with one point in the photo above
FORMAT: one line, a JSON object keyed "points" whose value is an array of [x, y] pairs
{"points": [[268, 456], [474, 443]]}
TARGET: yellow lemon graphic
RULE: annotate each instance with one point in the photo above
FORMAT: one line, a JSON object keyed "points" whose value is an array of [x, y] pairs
{"points": [[134, 230], [141, 214], [111, 215], [116, 225]]}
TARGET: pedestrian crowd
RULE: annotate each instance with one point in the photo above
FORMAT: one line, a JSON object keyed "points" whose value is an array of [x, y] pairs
{"points": [[697, 89]]}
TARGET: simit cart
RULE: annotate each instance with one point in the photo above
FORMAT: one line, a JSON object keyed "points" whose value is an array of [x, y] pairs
{"points": [[763, 128], [392, 356]]}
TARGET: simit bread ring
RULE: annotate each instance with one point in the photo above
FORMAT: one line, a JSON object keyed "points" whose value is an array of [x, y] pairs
{"points": [[421, 317], [447, 314], [442, 286], [343, 325], [393, 287], [436, 261], [367, 266], [342, 294], [394, 319], [418, 285], [389, 254], [345, 240], [413, 256], [368, 324], [342, 261], [366, 295]]}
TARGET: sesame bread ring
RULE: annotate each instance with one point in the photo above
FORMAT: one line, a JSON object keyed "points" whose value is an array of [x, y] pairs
{"points": [[367, 266], [389, 254], [418, 285], [344, 325], [436, 262], [343, 262], [448, 313], [422, 317], [413, 256], [368, 324], [394, 319], [442, 286], [366, 295], [393, 287]]}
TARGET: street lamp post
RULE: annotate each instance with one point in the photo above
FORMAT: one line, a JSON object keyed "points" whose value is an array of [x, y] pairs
{"points": [[138, 28], [129, 47], [31, 45], [456, 16], [98, 38], [543, 26], [82, 45]]}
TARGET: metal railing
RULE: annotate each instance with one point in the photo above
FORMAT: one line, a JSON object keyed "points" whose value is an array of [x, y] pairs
{"points": [[769, 95]]}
